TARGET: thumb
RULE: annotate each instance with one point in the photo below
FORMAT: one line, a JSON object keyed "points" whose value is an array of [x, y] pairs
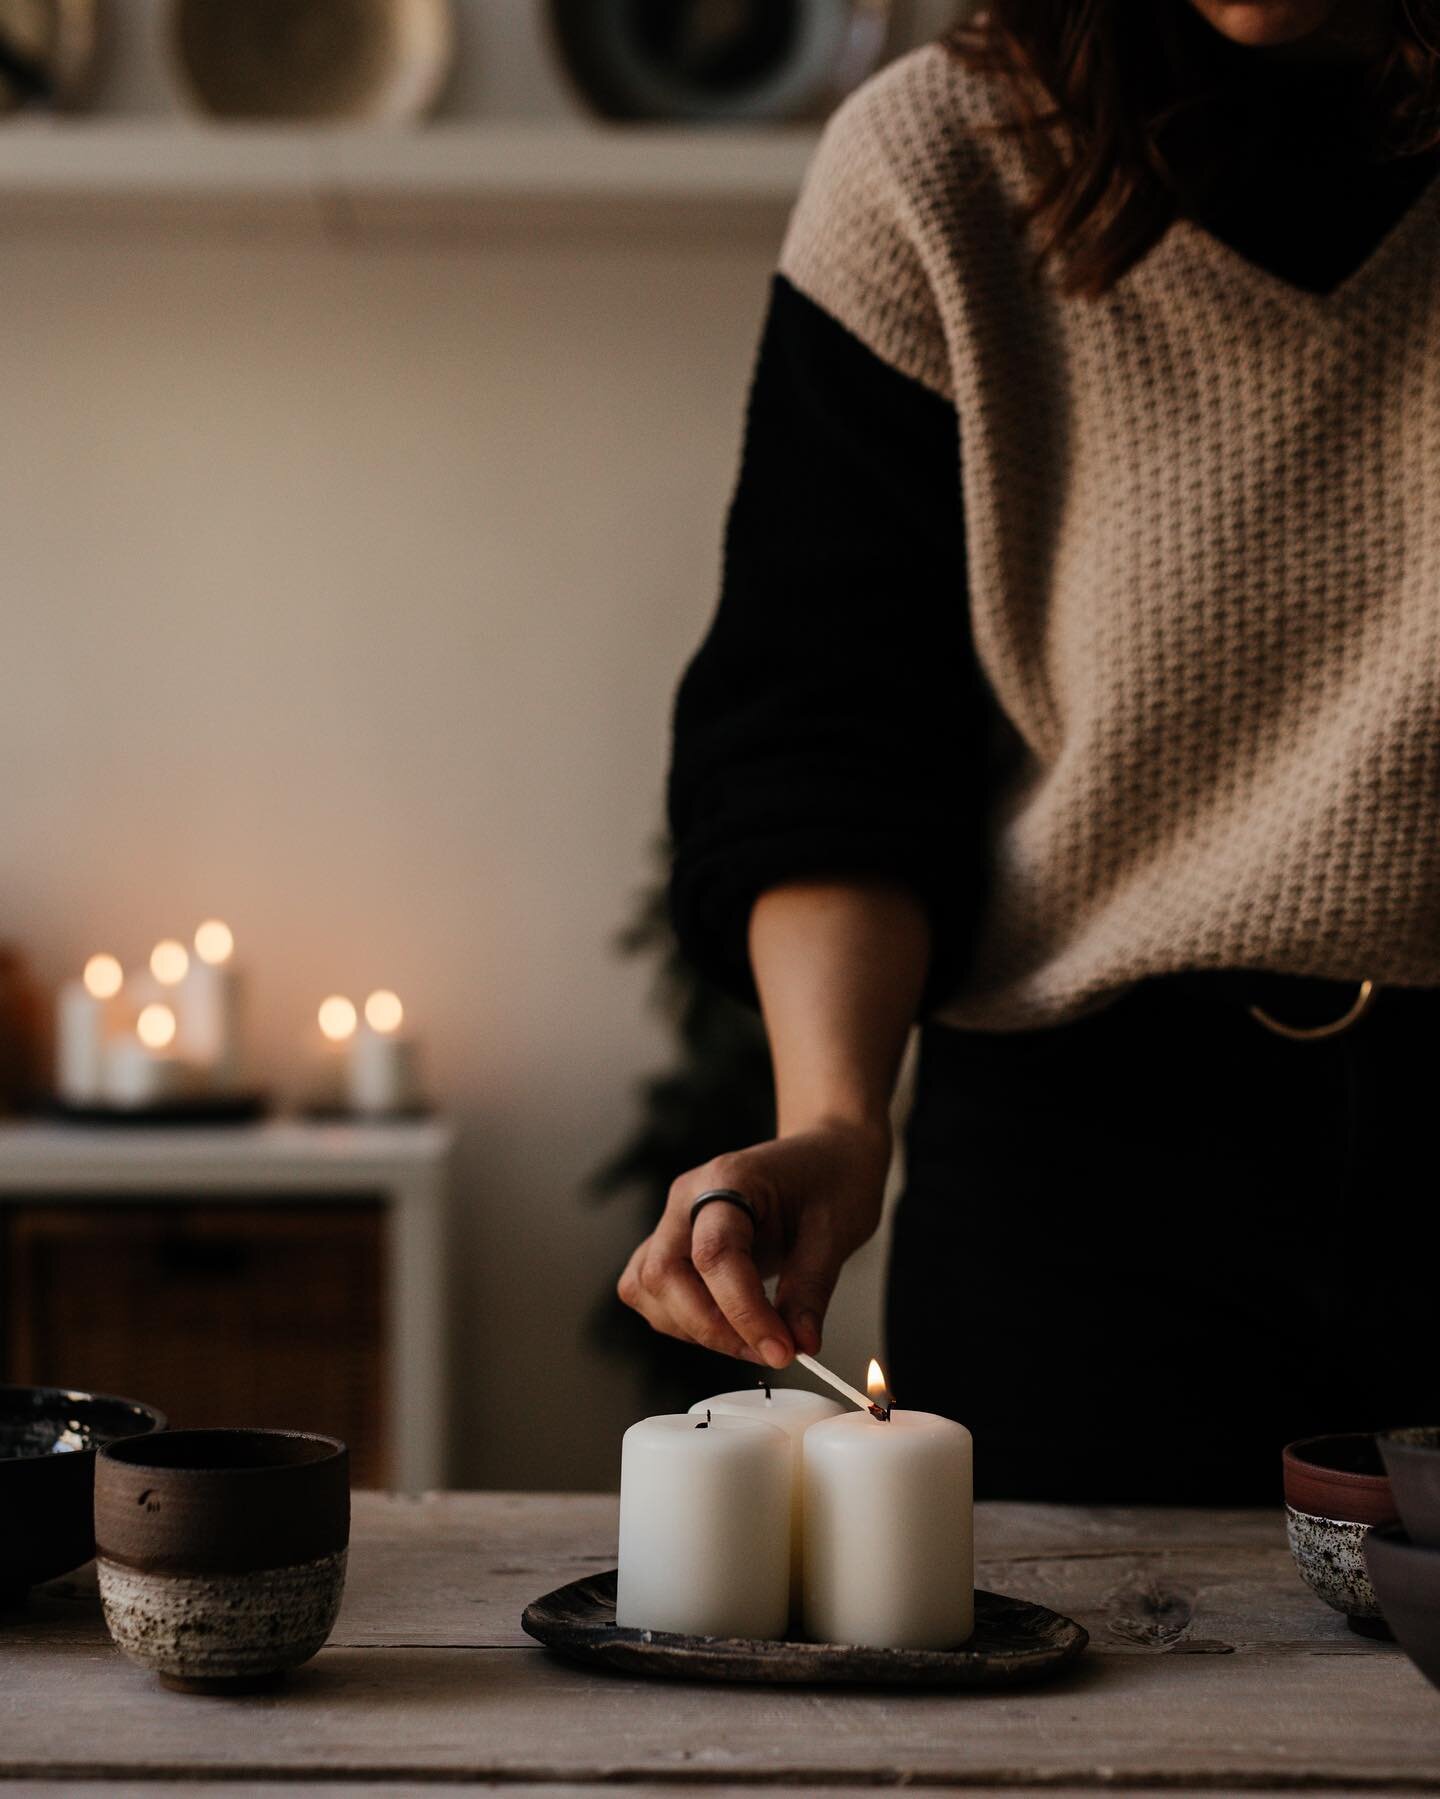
{"points": [[807, 1280]]}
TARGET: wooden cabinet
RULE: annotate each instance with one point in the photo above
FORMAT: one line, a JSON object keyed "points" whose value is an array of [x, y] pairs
{"points": [[287, 1274], [267, 1314]]}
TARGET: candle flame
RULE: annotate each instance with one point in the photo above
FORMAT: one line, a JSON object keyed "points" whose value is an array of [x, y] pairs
{"points": [[104, 977], [214, 941], [876, 1385], [337, 1018], [169, 962], [155, 1026], [383, 1011]]}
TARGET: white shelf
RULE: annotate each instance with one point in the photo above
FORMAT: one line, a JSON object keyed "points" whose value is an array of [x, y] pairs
{"points": [[276, 1155], [404, 1165], [442, 177]]}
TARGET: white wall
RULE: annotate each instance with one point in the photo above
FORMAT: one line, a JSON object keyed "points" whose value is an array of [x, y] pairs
{"points": [[343, 594]]}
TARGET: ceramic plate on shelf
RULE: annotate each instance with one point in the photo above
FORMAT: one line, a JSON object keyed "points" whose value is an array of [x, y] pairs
{"points": [[367, 61], [1014, 1643], [717, 61], [47, 53]]}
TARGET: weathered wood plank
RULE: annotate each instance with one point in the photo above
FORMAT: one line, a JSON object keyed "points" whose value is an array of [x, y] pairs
{"points": [[309, 1789], [1213, 1667]]}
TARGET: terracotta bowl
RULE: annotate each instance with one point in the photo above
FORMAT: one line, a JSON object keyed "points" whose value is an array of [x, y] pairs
{"points": [[1339, 1477], [1336, 1492], [48, 1440], [1407, 1578], [221, 1553], [1412, 1460]]}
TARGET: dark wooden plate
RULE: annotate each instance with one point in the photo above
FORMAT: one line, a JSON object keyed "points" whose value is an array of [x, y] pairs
{"points": [[1014, 1643]]}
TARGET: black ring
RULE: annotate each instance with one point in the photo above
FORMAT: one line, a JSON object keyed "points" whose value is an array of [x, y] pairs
{"points": [[726, 1196]]}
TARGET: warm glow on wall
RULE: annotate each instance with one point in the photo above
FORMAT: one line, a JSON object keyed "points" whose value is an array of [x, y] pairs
{"points": [[337, 1018], [214, 941], [169, 962], [383, 1011], [104, 977], [155, 1026]]}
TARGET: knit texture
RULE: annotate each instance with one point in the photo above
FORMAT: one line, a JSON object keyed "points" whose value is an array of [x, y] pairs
{"points": [[1203, 524]]}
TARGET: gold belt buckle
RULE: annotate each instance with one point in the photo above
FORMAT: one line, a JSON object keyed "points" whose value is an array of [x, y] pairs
{"points": [[1316, 1033]]}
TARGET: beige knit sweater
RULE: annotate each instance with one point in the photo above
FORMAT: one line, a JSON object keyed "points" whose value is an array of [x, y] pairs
{"points": [[1203, 522]]}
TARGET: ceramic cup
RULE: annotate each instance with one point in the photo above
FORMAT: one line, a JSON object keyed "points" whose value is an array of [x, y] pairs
{"points": [[221, 1553], [1336, 1493]]}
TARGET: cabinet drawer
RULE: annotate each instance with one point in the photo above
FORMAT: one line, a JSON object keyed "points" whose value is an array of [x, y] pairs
{"points": [[217, 1313]]}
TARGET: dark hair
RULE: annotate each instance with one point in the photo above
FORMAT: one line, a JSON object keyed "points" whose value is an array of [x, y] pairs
{"points": [[1106, 96]]}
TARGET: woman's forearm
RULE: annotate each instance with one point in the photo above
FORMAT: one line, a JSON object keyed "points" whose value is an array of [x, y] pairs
{"points": [[840, 966]]}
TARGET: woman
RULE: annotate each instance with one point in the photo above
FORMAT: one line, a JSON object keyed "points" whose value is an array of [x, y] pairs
{"points": [[1075, 690]]}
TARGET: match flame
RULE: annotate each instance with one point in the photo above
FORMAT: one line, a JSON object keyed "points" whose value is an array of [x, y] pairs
{"points": [[876, 1385]]}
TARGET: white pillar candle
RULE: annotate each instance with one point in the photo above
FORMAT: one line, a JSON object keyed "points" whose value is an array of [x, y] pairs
{"points": [[86, 1016], [889, 1531], [136, 1077], [705, 1527], [208, 1002], [382, 1070], [793, 1410], [80, 1031]]}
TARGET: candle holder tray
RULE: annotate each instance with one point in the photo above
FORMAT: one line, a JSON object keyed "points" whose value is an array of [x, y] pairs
{"points": [[208, 1108], [1015, 1643]]}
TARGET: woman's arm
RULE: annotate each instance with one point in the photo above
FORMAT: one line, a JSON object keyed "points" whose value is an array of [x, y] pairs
{"points": [[840, 967]]}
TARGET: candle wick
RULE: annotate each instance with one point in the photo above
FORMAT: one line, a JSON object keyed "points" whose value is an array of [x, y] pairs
{"points": [[882, 1412], [705, 1425], [766, 1385]]}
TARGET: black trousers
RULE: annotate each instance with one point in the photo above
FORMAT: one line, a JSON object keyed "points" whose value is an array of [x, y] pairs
{"points": [[1138, 1253]]}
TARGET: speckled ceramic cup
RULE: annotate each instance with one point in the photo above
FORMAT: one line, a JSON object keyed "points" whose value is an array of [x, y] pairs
{"points": [[221, 1553], [1336, 1493]]}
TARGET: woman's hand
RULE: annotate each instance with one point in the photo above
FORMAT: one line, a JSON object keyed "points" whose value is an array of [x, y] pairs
{"points": [[817, 1194]]}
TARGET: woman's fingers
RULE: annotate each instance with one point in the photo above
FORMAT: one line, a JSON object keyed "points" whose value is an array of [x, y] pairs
{"points": [[671, 1298], [721, 1245], [807, 1281]]}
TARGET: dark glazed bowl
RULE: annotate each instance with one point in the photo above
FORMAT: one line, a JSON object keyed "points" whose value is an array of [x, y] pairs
{"points": [[1407, 1580], [1412, 1460], [221, 1553], [48, 1440]]}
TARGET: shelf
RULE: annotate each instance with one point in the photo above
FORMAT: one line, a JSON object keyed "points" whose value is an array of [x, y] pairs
{"points": [[441, 178]]}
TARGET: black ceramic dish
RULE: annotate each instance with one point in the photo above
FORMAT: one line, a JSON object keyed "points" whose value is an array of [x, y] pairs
{"points": [[1014, 1643], [1407, 1581], [48, 1440], [1412, 1460]]}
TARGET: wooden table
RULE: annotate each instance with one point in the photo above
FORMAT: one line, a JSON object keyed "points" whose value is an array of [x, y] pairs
{"points": [[1211, 1668]]}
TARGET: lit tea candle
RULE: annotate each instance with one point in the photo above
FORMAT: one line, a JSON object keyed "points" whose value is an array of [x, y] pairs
{"points": [[889, 1557], [85, 1018], [381, 1073], [209, 1004], [337, 1019], [705, 1526], [793, 1410], [147, 1069]]}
